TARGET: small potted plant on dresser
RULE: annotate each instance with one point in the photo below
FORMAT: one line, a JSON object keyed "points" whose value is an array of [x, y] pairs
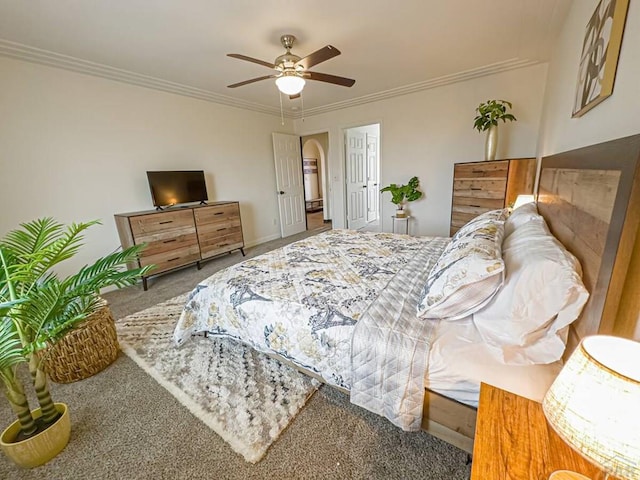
{"points": [[401, 194], [37, 308]]}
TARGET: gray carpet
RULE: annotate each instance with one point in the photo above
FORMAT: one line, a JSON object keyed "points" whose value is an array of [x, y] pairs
{"points": [[125, 425]]}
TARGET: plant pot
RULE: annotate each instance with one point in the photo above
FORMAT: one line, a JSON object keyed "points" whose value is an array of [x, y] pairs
{"points": [[401, 213], [491, 143], [40, 448]]}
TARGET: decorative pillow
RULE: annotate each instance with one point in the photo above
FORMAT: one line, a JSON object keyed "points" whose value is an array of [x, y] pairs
{"points": [[467, 274], [526, 322], [520, 216], [469, 228]]}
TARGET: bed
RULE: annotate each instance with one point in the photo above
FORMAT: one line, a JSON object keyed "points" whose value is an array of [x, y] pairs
{"points": [[342, 305]]}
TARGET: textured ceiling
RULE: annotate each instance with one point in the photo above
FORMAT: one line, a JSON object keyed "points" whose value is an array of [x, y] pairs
{"points": [[388, 47]]}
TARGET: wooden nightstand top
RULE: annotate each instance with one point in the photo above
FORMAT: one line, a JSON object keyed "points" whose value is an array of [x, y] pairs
{"points": [[513, 441]]}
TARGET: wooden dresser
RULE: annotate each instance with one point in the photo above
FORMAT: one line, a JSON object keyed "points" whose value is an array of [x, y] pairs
{"points": [[482, 186], [181, 235]]}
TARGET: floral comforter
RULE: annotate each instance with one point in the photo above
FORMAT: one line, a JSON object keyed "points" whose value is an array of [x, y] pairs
{"points": [[302, 301]]}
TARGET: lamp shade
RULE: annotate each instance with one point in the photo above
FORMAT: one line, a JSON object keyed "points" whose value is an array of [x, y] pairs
{"points": [[594, 404], [290, 84], [522, 199]]}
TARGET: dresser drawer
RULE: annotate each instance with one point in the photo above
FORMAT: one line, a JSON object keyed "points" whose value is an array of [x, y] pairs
{"points": [[174, 243], [222, 244], [223, 227], [156, 226], [482, 170], [217, 214], [480, 188], [171, 258], [477, 202]]}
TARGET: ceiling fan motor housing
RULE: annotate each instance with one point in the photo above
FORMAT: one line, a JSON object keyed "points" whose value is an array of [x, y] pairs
{"points": [[287, 41]]}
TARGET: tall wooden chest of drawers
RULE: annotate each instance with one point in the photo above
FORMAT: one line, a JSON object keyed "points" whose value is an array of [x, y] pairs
{"points": [[182, 235], [482, 186]]}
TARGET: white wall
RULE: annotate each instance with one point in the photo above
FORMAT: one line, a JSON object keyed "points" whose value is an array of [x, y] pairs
{"points": [[425, 133], [77, 147], [617, 116]]}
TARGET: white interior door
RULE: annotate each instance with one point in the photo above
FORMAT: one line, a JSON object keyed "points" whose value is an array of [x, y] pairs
{"points": [[356, 179], [373, 192], [289, 183]]}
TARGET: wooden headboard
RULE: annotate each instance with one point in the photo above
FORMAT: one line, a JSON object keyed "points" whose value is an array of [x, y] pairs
{"points": [[590, 198]]}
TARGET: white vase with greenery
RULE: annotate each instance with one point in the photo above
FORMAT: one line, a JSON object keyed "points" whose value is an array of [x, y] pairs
{"points": [[488, 115]]}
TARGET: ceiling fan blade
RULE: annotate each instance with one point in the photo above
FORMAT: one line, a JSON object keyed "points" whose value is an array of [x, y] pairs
{"points": [[318, 56], [246, 82], [325, 77], [251, 59]]}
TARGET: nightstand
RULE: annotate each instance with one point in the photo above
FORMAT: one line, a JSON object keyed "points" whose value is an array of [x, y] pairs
{"points": [[513, 441], [401, 220]]}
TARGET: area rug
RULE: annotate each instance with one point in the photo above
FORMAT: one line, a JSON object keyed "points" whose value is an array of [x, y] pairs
{"points": [[245, 397]]}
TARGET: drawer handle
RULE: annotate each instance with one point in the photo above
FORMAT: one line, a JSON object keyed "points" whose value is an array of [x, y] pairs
{"points": [[218, 213], [477, 206], [173, 259], [476, 188], [166, 221], [477, 171], [221, 229], [169, 241]]}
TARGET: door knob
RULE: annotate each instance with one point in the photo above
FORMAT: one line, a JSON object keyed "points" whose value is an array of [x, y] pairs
{"points": [[281, 192], [364, 186]]}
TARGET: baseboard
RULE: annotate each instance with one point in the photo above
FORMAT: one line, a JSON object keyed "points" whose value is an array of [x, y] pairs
{"points": [[260, 240]]}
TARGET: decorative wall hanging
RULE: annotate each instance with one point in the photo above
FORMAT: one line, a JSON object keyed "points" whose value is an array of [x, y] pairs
{"points": [[600, 50]]}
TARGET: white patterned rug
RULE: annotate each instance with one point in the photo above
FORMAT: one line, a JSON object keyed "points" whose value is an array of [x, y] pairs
{"points": [[245, 397]]}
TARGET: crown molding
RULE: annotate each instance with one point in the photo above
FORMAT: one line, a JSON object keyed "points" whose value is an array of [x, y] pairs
{"points": [[52, 59], [46, 57], [492, 69]]}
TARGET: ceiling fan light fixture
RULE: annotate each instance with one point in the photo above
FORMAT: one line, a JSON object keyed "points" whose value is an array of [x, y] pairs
{"points": [[290, 84]]}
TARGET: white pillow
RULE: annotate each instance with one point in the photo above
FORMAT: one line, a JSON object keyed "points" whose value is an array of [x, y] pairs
{"points": [[520, 216], [526, 322], [467, 274]]}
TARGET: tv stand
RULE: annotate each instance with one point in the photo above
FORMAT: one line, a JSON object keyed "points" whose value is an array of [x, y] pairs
{"points": [[180, 237]]}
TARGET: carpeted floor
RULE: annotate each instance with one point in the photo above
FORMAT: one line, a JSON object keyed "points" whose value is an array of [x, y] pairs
{"points": [[125, 425]]}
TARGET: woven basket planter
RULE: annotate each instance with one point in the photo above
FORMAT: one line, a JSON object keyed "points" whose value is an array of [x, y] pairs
{"points": [[86, 350]]}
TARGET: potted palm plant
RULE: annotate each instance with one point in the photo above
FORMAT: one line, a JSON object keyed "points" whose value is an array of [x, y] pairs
{"points": [[37, 308], [400, 194], [488, 115]]}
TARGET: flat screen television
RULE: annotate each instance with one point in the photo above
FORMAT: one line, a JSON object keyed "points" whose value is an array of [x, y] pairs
{"points": [[179, 186]]}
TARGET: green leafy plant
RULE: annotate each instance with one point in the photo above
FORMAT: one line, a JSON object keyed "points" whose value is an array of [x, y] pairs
{"points": [[490, 112], [37, 308], [400, 193]]}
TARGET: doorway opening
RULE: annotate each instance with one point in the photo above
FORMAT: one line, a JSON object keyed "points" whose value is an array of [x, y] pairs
{"points": [[314, 168], [362, 157]]}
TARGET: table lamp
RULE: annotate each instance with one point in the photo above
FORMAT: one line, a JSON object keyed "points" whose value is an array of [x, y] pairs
{"points": [[594, 405], [522, 199]]}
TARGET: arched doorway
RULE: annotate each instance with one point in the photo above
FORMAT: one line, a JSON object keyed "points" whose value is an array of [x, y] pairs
{"points": [[314, 155]]}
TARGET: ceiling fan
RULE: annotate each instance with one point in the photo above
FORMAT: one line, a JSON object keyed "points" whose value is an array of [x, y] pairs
{"points": [[291, 70]]}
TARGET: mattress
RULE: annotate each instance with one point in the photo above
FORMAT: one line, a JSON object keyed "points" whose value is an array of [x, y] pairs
{"points": [[459, 361]]}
